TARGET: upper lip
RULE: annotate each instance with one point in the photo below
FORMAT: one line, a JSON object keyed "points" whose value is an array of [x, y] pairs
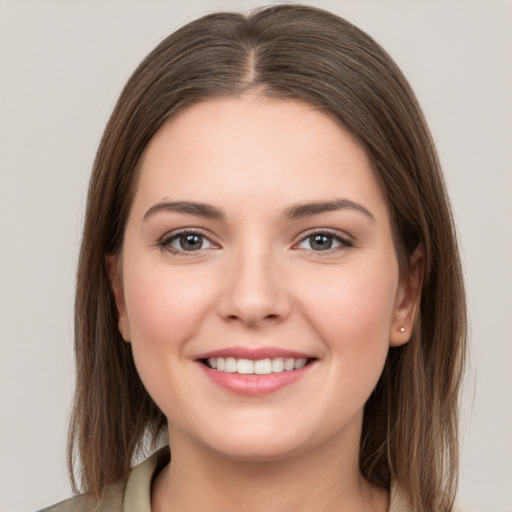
{"points": [[254, 353]]}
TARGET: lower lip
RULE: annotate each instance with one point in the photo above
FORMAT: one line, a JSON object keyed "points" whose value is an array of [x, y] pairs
{"points": [[255, 385]]}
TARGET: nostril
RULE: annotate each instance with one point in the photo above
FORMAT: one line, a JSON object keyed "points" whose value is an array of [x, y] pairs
{"points": [[267, 317]]}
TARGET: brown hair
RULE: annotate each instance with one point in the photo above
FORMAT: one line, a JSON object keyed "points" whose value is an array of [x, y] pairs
{"points": [[287, 51]]}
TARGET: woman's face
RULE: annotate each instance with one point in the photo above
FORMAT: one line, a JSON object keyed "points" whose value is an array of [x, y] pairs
{"points": [[258, 281]]}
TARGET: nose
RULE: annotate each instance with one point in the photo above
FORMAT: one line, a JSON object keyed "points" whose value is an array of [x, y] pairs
{"points": [[254, 293]]}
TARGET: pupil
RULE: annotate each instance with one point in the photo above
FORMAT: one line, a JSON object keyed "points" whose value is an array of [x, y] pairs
{"points": [[191, 242], [321, 242]]}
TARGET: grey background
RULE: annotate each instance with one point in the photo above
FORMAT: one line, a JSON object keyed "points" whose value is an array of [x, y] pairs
{"points": [[62, 65]]}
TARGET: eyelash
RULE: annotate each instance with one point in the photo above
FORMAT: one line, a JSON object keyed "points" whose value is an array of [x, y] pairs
{"points": [[165, 242], [344, 244]]}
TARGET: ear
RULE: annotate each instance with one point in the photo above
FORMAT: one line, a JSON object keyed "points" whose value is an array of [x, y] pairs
{"points": [[113, 264], [408, 299]]}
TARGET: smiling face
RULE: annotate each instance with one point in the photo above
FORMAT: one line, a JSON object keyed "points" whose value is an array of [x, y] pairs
{"points": [[258, 282]]}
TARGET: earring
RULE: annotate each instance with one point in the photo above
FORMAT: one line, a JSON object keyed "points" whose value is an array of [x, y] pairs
{"points": [[123, 328], [402, 329]]}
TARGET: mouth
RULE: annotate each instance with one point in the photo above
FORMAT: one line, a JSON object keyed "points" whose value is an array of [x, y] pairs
{"points": [[265, 366], [255, 371]]}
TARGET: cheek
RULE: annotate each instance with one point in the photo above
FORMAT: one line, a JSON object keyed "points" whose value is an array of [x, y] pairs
{"points": [[164, 306], [352, 313]]}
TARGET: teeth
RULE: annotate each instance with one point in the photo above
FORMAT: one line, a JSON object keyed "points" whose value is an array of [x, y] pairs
{"points": [[245, 366], [231, 366], [259, 367], [289, 363], [277, 365], [262, 367], [299, 363]]}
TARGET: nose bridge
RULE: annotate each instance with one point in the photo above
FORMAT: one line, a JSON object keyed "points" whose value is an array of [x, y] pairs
{"points": [[254, 290]]}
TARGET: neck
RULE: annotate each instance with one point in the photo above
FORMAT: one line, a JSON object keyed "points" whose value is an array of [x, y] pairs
{"points": [[199, 479]]}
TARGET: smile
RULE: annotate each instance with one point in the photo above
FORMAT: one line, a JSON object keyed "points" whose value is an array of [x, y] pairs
{"points": [[255, 371], [259, 367]]}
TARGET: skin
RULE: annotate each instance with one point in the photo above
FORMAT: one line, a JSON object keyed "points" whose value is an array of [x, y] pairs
{"points": [[259, 280]]}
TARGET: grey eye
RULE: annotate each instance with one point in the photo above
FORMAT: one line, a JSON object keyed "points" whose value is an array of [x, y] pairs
{"points": [[188, 242], [323, 242], [320, 242]]}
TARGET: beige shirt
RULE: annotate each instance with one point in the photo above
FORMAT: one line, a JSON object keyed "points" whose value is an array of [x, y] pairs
{"points": [[133, 492]]}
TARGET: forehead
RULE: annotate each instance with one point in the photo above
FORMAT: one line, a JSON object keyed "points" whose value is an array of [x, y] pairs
{"points": [[272, 151]]}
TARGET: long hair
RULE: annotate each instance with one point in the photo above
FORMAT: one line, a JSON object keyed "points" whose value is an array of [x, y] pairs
{"points": [[409, 433]]}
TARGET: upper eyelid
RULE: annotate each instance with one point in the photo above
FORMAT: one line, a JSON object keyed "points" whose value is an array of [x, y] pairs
{"points": [[164, 242], [185, 231], [326, 231], [345, 241], [303, 236]]}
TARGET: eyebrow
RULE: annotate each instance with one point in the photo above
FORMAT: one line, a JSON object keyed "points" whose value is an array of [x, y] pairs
{"points": [[295, 211], [188, 207], [300, 210]]}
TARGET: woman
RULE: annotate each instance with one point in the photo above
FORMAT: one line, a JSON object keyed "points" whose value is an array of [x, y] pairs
{"points": [[269, 279]]}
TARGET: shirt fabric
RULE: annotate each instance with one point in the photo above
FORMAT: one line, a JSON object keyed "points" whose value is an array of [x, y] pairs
{"points": [[133, 492]]}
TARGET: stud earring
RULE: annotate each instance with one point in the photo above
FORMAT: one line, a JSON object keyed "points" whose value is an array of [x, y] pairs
{"points": [[402, 329]]}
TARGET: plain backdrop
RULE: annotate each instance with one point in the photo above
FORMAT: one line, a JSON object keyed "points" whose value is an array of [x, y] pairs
{"points": [[62, 65]]}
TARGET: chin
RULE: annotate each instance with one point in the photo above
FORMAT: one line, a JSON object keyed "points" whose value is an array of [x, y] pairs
{"points": [[257, 450], [266, 441], [250, 440]]}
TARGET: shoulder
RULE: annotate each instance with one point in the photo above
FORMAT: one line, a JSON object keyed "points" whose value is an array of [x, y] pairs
{"points": [[132, 492], [82, 503], [111, 499]]}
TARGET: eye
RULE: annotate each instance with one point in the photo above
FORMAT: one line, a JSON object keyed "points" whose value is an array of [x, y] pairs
{"points": [[323, 241], [186, 242]]}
